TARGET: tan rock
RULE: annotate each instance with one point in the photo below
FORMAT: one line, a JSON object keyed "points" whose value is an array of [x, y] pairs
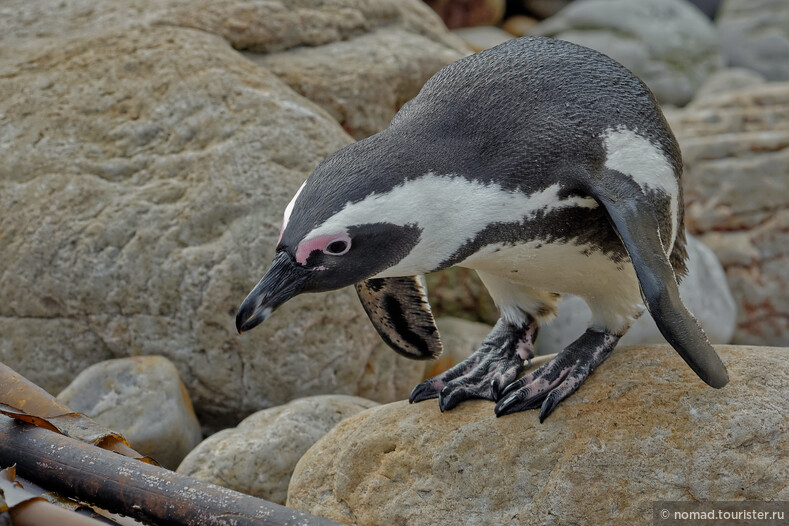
{"points": [[482, 38], [519, 25], [143, 399], [469, 13], [259, 455], [642, 428], [144, 175], [360, 61], [363, 82], [736, 151]]}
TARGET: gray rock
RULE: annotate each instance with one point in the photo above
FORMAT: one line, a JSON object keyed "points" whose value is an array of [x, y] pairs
{"points": [[642, 428], [728, 79], [363, 90], [145, 168], [735, 148], [704, 291], [669, 44], [754, 34], [143, 399], [259, 455]]}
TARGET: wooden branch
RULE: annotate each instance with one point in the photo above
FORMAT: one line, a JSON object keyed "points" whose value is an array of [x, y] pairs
{"points": [[123, 485]]}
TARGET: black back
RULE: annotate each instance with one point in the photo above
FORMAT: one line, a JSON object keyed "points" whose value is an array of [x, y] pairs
{"points": [[518, 114]]}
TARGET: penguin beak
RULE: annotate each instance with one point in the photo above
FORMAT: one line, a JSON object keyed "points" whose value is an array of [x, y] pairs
{"points": [[283, 280]]}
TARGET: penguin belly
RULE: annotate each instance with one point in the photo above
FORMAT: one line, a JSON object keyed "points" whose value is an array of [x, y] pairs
{"points": [[608, 284]]}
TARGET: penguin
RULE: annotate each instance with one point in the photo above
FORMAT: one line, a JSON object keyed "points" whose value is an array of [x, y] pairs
{"points": [[546, 167]]}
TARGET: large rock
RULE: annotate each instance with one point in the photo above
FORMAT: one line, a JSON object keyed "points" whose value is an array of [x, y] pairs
{"points": [[259, 455], [754, 34], [669, 44], [360, 61], [729, 79], [736, 152], [143, 399], [704, 291], [642, 428], [146, 164]]}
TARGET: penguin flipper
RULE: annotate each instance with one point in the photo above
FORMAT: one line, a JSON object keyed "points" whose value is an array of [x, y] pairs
{"points": [[633, 218], [401, 314]]}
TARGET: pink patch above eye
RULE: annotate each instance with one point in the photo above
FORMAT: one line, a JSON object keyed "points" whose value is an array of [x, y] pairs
{"points": [[281, 231], [305, 248]]}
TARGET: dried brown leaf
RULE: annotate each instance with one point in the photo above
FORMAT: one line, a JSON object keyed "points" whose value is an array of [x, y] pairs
{"points": [[23, 400]]}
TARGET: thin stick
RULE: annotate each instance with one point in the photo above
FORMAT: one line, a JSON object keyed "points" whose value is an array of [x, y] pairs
{"points": [[123, 485]]}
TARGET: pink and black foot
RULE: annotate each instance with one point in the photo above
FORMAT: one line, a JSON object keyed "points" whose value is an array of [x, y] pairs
{"points": [[485, 373], [551, 383]]}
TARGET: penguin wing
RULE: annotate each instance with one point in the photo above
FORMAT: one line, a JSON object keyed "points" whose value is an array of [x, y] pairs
{"points": [[401, 314], [635, 220]]}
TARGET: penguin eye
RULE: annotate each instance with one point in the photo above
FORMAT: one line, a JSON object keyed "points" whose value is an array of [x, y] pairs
{"points": [[338, 247]]}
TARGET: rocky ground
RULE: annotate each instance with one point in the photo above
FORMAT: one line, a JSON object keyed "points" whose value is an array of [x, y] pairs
{"points": [[149, 147]]}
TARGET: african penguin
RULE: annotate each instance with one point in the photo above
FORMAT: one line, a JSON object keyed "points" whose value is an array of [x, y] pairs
{"points": [[546, 167]]}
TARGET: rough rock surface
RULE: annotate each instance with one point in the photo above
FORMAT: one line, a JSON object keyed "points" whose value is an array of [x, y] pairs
{"points": [[146, 164], [704, 291], [754, 34], [642, 428], [669, 44], [736, 152], [363, 90], [143, 399], [259, 455]]}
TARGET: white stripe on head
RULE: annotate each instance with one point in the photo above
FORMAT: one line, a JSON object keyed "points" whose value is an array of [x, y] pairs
{"points": [[450, 210], [289, 210], [636, 156]]}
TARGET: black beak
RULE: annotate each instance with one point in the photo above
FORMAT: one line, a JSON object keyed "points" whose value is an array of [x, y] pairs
{"points": [[283, 280]]}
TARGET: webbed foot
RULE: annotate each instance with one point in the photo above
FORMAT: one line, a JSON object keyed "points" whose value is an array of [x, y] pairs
{"points": [[548, 385], [485, 373]]}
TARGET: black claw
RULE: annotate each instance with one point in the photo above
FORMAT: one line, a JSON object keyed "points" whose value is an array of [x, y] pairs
{"points": [[495, 390], [446, 401], [548, 406], [514, 386], [507, 406], [421, 392]]}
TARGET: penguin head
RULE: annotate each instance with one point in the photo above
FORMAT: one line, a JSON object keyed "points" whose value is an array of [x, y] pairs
{"points": [[321, 249]]}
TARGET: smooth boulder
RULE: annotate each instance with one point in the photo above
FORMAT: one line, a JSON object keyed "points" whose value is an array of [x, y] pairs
{"points": [[754, 34], [146, 166], [258, 456], [669, 44], [642, 428], [143, 399]]}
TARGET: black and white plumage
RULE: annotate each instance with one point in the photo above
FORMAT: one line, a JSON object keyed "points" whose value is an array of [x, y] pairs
{"points": [[546, 167]]}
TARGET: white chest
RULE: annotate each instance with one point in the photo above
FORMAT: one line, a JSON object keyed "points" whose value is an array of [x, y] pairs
{"points": [[564, 268]]}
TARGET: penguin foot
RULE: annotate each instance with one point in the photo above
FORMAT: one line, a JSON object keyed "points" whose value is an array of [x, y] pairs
{"points": [[485, 373], [548, 385]]}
